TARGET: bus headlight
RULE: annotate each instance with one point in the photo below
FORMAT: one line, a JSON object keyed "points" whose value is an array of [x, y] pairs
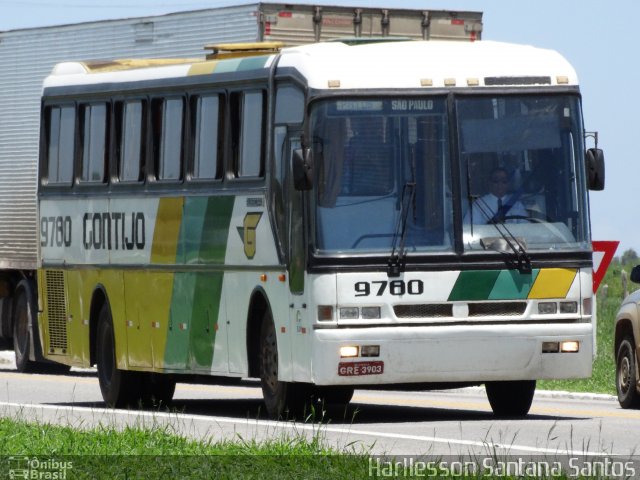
{"points": [[349, 313], [568, 307], [354, 313], [570, 346], [547, 308], [348, 351], [370, 313]]}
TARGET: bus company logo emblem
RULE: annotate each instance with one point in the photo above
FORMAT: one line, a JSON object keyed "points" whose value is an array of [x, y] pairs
{"points": [[248, 233]]}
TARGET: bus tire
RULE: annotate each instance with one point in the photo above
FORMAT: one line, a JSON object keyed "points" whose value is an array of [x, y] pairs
{"points": [[118, 387], [21, 320], [280, 398], [627, 374], [511, 398]]}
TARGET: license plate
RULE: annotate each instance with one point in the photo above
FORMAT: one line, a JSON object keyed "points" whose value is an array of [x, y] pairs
{"points": [[350, 369]]}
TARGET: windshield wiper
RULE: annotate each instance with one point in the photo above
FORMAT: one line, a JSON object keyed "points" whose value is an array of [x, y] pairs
{"points": [[397, 261], [522, 257]]}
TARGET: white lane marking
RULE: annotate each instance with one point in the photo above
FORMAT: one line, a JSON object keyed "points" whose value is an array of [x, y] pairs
{"points": [[490, 446]]}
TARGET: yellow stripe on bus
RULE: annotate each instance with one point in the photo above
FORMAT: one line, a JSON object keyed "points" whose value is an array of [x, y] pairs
{"points": [[167, 230], [203, 68], [553, 283]]}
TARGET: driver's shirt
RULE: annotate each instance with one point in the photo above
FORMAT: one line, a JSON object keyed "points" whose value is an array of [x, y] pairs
{"points": [[485, 208]]}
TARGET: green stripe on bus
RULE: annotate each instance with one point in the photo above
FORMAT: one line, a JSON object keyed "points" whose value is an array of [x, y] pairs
{"points": [[195, 308], [205, 229], [474, 285], [513, 285], [195, 302], [493, 285], [195, 210], [253, 63], [215, 231], [226, 66], [204, 318]]}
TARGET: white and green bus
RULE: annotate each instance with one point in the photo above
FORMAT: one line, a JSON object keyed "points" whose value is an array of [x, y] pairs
{"points": [[306, 216]]}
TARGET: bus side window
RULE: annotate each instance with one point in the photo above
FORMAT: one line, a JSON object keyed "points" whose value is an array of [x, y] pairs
{"points": [[248, 118], [289, 105], [207, 133], [167, 121], [94, 142], [61, 123], [130, 128]]}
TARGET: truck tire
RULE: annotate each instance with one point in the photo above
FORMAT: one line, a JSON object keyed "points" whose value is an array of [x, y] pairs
{"points": [[119, 388], [21, 342], [511, 399]]}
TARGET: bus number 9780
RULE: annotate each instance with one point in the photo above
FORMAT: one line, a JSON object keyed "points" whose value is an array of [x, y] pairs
{"points": [[55, 232], [394, 287]]}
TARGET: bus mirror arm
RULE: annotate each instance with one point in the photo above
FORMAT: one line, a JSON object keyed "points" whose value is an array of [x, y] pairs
{"points": [[302, 169], [594, 163]]}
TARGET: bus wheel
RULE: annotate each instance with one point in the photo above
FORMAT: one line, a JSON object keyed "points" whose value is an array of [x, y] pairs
{"points": [[21, 320], [279, 397], [511, 399], [627, 375], [118, 387]]}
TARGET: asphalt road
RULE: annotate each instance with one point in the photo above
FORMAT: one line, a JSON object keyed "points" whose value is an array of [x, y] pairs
{"points": [[458, 423]]}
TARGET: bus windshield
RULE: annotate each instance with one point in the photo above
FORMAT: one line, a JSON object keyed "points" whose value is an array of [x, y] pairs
{"points": [[521, 158], [368, 153], [384, 172]]}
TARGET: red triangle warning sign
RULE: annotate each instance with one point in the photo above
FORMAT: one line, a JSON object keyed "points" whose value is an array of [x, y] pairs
{"points": [[603, 252]]}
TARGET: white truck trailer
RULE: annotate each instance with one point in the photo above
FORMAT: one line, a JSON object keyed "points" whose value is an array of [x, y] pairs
{"points": [[27, 56]]}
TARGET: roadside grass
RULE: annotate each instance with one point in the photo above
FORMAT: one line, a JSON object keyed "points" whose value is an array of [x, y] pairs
{"points": [[44, 451], [158, 452]]}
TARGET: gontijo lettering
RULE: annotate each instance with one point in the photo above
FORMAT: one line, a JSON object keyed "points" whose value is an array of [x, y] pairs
{"points": [[113, 231]]}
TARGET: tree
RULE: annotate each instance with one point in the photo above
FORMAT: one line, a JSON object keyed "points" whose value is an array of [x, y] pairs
{"points": [[629, 256]]}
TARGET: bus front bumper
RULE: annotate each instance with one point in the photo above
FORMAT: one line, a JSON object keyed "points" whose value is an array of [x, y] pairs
{"points": [[464, 353]]}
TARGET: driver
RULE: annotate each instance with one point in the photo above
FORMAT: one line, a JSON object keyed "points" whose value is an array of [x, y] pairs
{"points": [[497, 205]]}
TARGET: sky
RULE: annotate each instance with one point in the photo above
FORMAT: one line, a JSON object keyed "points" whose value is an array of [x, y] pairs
{"points": [[597, 37]]}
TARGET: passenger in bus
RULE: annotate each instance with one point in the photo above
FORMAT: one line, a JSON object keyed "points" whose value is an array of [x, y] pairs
{"points": [[497, 206]]}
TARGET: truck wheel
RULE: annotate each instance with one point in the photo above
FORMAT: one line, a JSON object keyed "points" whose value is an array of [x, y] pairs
{"points": [[511, 399], [627, 374], [21, 319], [279, 397], [119, 387]]}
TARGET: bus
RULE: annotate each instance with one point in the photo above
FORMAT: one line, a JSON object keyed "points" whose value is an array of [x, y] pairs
{"points": [[305, 216]]}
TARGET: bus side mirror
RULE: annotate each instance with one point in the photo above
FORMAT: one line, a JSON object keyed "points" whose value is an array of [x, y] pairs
{"points": [[302, 169], [594, 162], [635, 274]]}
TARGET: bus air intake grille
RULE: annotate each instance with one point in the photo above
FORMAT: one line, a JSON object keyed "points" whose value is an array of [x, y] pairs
{"points": [[56, 310], [497, 309], [428, 310]]}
